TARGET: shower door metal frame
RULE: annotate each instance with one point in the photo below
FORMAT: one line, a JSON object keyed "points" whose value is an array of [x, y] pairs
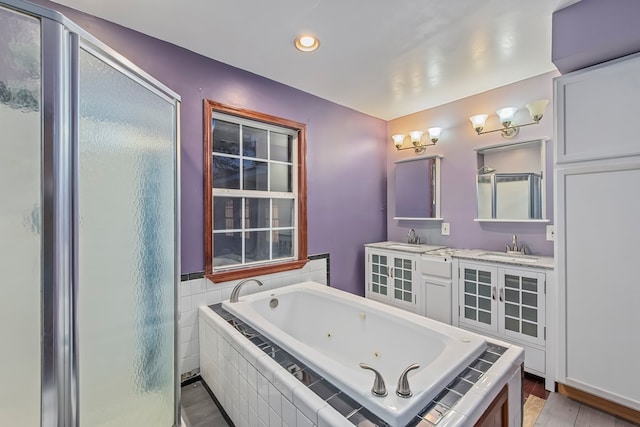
{"points": [[61, 41]]}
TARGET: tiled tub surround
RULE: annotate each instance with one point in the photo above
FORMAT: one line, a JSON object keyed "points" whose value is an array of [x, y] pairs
{"points": [[253, 384], [199, 292]]}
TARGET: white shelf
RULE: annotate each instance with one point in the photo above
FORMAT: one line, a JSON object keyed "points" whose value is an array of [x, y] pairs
{"points": [[401, 218], [511, 220]]}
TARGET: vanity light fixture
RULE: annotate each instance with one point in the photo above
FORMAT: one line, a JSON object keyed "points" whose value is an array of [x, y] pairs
{"points": [[306, 43], [416, 139], [506, 114]]}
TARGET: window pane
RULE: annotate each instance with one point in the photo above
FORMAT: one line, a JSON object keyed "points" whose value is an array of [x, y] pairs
{"points": [[226, 172], [283, 213], [255, 175], [227, 249], [256, 246], [226, 213], [256, 213], [226, 137], [280, 177], [282, 244], [281, 147], [254, 142]]}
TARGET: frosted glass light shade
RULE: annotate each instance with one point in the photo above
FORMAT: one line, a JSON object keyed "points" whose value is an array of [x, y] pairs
{"points": [[478, 121], [506, 115], [398, 139], [416, 135], [434, 134], [536, 109]]}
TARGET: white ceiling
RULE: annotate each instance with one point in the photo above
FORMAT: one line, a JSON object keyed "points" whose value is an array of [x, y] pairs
{"points": [[381, 57]]}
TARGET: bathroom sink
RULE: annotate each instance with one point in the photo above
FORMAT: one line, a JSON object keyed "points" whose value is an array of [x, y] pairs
{"points": [[500, 256], [408, 247]]}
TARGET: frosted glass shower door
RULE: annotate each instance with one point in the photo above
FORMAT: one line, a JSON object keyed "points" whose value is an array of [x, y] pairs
{"points": [[126, 249], [20, 219]]}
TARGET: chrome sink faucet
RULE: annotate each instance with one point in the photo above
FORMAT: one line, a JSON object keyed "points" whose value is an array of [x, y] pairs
{"points": [[412, 237], [523, 249], [236, 290]]}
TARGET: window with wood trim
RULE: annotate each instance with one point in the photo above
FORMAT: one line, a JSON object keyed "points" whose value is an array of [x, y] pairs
{"points": [[255, 193]]}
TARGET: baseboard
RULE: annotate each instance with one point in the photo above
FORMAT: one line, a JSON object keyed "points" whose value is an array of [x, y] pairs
{"points": [[600, 403]]}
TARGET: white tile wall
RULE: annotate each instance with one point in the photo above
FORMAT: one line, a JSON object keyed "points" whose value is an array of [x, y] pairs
{"points": [[198, 292], [253, 399]]}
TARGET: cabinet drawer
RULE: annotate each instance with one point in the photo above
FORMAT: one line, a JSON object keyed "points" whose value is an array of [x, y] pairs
{"points": [[435, 267]]}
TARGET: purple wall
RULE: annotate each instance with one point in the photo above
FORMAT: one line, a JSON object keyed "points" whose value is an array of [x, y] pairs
{"points": [[593, 31], [345, 149], [458, 174]]}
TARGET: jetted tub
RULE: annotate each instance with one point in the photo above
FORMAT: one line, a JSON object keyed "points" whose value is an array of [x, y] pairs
{"points": [[333, 332]]}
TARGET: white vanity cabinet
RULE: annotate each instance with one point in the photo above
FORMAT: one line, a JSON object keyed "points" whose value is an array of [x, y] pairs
{"points": [[435, 271], [392, 277], [507, 302]]}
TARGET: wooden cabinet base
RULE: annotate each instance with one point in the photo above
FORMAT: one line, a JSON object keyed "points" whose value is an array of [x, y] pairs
{"points": [[600, 403], [497, 414]]}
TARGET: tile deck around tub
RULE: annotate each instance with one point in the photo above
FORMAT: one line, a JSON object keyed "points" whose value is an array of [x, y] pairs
{"points": [[348, 407]]}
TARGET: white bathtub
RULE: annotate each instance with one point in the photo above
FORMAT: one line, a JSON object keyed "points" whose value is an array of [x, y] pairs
{"points": [[332, 332]]}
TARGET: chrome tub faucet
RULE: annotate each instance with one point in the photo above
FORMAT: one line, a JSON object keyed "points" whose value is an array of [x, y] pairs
{"points": [[403, 390], [236, 290], [378, 389]]}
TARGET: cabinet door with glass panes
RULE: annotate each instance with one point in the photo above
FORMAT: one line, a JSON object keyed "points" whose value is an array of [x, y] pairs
{"points": [[392, 278], [522, 297], [477, 293]]}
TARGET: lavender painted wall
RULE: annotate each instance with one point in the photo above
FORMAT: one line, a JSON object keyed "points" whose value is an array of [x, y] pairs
{"points": [[593, 31], [458, 188], [345, 149]]}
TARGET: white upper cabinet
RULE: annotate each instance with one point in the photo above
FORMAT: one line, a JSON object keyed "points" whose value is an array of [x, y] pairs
{"points": [[593, 111]]}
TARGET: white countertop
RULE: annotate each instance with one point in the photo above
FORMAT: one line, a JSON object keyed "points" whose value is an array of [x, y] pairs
{"points": [[534, 261], [483, 255]]}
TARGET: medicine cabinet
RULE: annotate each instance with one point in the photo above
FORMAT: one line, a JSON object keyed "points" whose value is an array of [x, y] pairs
{"points": [[510, 182], [417, 189]]}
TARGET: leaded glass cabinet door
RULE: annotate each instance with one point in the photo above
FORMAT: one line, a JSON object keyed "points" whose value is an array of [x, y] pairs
{"points": [[522, 294], [404, 275], [378, 274], [478, 300]]}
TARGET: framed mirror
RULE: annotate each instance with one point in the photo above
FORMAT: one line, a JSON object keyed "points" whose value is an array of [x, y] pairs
{"points": [[417, 189], [510, 182]]}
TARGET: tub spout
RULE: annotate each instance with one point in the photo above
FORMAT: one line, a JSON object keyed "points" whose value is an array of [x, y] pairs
{"points": [[378, 389], [236, 290], [403, 389]]}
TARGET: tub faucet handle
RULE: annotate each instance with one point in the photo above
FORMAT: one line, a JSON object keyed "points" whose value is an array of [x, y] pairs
{"points": [[403, 389], [378, 389]]}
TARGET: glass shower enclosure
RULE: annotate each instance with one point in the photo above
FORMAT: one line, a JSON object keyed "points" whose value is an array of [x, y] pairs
{"points": [[89, 230]]}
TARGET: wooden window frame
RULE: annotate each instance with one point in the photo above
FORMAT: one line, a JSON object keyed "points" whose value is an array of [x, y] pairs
{"points": [[275, 267]]}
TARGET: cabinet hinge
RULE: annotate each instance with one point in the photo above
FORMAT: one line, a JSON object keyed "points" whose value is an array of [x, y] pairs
{"points": [[545, 286], [458, 311], [545, 333]]}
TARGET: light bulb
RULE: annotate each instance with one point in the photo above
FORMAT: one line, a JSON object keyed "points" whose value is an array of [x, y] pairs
{"points": [[398, 139], [536, 109], [478, 122], [506, 115], [434, 134]]}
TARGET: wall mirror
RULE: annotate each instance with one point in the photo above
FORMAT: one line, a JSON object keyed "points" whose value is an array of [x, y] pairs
{"points": [[417, 188], [510, 182]]}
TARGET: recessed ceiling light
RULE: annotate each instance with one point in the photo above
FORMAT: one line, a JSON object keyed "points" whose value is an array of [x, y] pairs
{"points": [[307, 43]]}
